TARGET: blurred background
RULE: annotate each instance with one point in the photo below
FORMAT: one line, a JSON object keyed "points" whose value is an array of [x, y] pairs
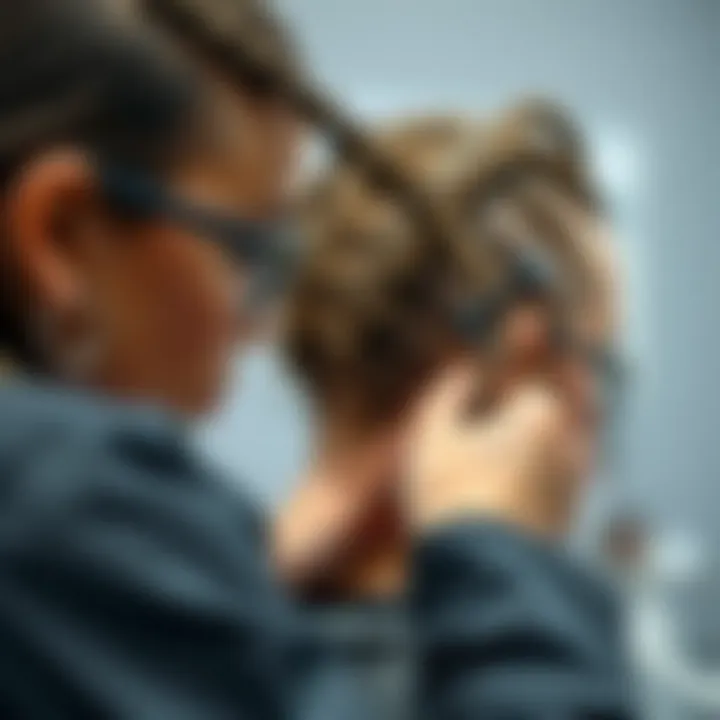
{"points": [[643, 76]]}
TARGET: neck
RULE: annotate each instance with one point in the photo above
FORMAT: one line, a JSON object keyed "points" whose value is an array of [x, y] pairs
{"points": [[361, 464]]}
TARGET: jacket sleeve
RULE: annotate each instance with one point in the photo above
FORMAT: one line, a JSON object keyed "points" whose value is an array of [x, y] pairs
{"points": [[130, 587], [510, 629]]}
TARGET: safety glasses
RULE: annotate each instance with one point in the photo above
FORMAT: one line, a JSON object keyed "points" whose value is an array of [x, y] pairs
{"points": [[265, 248]]}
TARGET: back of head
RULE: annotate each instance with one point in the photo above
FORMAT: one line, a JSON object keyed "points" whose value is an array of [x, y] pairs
{"points": [[372, 311]]}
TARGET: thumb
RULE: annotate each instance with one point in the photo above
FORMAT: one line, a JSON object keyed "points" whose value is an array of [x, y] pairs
{"points": [[444, 400]]}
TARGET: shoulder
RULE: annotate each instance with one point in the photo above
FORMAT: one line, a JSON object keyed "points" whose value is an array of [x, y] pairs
{"points": [[44, 417], [69, 458], [112, 529]]}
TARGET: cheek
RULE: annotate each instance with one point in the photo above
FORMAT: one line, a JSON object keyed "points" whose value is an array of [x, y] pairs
{"points": [[197, 295], [182, 299]]}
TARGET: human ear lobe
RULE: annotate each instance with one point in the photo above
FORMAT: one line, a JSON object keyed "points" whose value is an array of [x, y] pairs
{"points": [[44, 206]]}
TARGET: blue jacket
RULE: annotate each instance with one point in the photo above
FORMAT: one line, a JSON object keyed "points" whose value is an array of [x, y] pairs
{"points": [[134, 585]]}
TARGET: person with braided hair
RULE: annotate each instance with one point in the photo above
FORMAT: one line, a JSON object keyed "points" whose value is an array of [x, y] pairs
{"points": [[370, 320], [144, 149], [108, 114]]}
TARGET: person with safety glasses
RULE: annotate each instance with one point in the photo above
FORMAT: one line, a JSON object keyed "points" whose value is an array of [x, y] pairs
{"points": [[143, 166]]}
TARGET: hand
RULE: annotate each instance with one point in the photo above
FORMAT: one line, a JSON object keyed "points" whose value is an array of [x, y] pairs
{"points": [[326, 518], [511, 464]]}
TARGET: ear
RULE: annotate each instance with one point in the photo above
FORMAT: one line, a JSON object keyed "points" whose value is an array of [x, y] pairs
{"points": [[45, 207], [526, 338]]}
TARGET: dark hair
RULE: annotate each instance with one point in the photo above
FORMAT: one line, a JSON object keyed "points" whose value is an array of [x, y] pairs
{"points": [[81, 72], [243, 39]]}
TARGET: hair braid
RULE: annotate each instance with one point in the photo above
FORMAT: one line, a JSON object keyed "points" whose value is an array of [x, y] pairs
{"points": [[225, 33]]}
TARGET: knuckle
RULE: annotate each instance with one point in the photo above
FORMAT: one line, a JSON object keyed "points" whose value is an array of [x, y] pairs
{"points": [[542, 412]]}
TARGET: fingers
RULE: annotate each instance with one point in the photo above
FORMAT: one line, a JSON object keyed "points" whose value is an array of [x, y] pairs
{"points": [[531, 407]]}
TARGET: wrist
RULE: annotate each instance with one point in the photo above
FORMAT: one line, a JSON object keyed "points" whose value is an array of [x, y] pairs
{"points": [[513, 516]]}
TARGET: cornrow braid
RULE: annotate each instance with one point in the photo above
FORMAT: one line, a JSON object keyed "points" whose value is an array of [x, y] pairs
{"points": [[225, 33]]}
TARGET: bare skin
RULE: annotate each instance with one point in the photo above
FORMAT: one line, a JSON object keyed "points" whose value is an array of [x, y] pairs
{"points": [[345, 529]]}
